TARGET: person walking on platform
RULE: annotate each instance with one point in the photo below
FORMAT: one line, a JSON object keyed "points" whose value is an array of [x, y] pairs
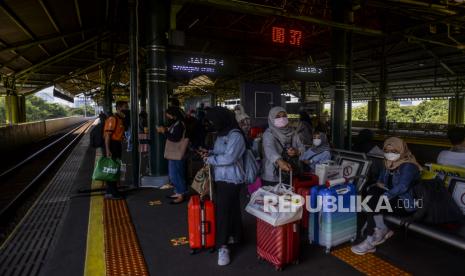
{"points": [[226, 161], [400, 172], [176, 168], [114, 133], [281, 145]]}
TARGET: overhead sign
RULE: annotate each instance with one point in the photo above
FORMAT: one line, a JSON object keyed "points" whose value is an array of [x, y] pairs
{"points": [[197, 65], [305, 72], [284, 36]]}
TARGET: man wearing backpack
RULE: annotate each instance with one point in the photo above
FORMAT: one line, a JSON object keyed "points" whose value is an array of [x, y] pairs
{"points": [[113, 136]]}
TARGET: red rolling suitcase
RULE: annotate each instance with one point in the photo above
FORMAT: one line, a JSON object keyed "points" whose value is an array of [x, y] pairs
{"points": [[201, 223], [305, 193], [278, 245], [307, 180]]}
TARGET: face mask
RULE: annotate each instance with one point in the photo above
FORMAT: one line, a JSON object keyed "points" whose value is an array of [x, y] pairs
{"points": [[281, 122], [316, 142], [392, 156]]}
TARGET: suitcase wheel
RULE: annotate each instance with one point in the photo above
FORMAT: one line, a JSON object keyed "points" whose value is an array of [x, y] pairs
{"points": [[278, 268], [296, 262], [193, 251], [259, 258]]}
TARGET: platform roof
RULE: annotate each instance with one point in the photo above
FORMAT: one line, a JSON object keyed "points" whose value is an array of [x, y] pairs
{"points": [[77, 44]]}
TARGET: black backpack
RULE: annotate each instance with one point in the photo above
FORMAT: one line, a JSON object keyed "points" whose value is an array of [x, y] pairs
{"points": [[438, 206], [96, 136]]}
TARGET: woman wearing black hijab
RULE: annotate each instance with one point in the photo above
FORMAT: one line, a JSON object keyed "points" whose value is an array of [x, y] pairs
{"points": [[227, 165], [176, 168]]}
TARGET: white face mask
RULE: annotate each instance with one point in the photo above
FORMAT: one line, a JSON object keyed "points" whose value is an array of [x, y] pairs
{"points": [[392, 156], [281, 122], [316, 142]]}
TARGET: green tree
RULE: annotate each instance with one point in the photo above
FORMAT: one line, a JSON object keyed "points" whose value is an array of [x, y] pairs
{"points": [[2, 111], [360, 113]]}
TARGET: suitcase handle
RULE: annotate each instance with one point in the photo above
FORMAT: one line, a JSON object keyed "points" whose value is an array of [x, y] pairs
{"points": [[207, 227]]}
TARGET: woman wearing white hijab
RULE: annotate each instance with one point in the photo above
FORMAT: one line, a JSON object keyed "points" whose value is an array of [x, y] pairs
{"points": [[242, 118], [278, 140]]}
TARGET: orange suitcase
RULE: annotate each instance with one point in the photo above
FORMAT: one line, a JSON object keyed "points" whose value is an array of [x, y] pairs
{"points": [[201, 221]]}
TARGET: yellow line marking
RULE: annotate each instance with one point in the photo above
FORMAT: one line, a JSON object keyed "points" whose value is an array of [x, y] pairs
{"points": [[155, 202], [179, 241], [368, 264], [95, 253]]}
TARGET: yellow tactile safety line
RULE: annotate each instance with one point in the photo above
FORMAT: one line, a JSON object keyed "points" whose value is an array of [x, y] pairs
{"points": [[368, 264], [124, 256], [95, 253]]}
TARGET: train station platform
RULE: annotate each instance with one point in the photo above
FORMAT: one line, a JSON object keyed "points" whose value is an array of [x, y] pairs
{"points": [[85, 234]]}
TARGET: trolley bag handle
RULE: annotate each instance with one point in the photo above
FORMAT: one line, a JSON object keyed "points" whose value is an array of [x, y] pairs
{"points": [[210, 181], [281, 184]]}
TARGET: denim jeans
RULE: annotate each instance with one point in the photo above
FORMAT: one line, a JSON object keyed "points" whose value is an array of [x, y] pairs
{"points": [[176, 172]]}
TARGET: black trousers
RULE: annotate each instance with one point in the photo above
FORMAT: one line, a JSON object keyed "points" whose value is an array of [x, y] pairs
{"points": [[116, 149], [376, 192], [228, 212]]}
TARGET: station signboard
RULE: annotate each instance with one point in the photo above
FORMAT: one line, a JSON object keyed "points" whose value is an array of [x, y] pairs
{"points": [[306, 72], [193, 65]]}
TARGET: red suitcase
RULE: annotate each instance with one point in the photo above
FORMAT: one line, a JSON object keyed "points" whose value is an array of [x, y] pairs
{"points": [[307, 180], [278, 245], [305, 193], [201, 221]]}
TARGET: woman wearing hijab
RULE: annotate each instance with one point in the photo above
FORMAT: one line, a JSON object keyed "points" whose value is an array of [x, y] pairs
{"points": [[304, 128], [242, 118], [400, 171], [176, 168], [318, 153], [280, 143], [226, 161]]}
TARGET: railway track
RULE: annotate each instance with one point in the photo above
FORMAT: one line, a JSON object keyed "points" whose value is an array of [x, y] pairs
{"points": [[20, 182]]}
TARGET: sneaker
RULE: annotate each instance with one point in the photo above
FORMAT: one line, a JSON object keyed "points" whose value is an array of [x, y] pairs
{"points": [[231, 240], [166, 187], [223, 256], [381, 235], [363, 248]]}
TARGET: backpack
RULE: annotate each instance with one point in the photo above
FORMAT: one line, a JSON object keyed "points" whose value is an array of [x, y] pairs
{"points": [[250, 169], [438, 206], [96, 136]]}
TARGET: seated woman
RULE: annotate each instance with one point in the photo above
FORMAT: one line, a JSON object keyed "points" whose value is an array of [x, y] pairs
{"points": [[318, 153], [400, 171]]}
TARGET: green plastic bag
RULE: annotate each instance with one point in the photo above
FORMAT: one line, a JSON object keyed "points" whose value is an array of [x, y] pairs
{"points": [[107, 169]]}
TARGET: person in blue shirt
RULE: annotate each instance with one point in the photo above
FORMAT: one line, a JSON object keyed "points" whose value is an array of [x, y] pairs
{"points": [[318, 153], [226, 160], [395, 182]]}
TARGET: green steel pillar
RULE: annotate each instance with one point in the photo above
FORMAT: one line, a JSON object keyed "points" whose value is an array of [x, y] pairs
{"points": [[383, 93], [373, 110], [338, 62], [15, 105], [108, 98], [158, 24], [452, 111], [459, 110]]}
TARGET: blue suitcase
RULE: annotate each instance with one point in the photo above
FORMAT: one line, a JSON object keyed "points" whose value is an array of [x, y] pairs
{"points": [[330, 229]]}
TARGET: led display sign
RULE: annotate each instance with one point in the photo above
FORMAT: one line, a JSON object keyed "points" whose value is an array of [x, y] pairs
{"points": [[285, 36], [196, 65], [305, 73]]}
